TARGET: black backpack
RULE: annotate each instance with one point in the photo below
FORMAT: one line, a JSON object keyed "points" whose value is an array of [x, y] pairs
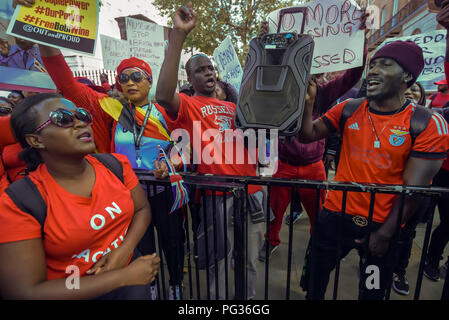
{"points": [[418, 122], [27, 197]]}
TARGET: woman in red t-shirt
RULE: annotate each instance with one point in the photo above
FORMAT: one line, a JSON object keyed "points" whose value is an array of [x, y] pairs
{"points": [[14, 168], [93, 222]]}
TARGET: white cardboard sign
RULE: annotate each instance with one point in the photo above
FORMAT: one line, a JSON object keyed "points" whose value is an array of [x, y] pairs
{"points": [[334, 25], [228, 63]]}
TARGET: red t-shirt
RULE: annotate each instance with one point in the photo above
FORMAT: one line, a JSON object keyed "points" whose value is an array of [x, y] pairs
{"points": [[78, 230], [206, 121], [361, 162], [106, 86], [3, 180], [439, 100], [10, 150]]}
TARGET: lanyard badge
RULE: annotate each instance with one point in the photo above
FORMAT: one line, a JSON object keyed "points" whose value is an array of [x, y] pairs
{"points": [[138, 137]]}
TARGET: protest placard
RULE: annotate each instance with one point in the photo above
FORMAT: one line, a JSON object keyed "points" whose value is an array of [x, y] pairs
{"points": [[228, 63], [433, 45], [147, 42], [113, 51], [334, 26], [65, 24], [21, 67]]}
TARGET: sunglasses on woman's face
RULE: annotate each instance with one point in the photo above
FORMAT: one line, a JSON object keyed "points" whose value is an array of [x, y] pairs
{"points": [[5, 110], [136, 77], [64, 118]]}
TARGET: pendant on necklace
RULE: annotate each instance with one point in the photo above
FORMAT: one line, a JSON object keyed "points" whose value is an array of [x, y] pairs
{"points": [[138, 160], [377, 144]]}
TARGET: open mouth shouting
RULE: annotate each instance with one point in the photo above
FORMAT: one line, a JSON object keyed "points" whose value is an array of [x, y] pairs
{"points": [[85, 136], [210, 83], [373, 84]]}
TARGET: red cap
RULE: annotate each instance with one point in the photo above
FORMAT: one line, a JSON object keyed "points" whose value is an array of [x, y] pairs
{"points": [[444, 81], [132, 62]]}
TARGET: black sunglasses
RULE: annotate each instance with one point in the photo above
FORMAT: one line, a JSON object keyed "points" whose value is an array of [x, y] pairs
{"points": [[64, 118], [136, 77], [5, 110]]}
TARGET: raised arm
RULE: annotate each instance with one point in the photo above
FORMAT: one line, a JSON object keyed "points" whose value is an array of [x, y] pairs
{"points": [[311, 130], [183, 22], [64, 80], [336, 88]]}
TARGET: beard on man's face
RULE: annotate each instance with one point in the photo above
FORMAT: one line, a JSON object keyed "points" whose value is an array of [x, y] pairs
{"points": [[383, 95], [378, 96]]}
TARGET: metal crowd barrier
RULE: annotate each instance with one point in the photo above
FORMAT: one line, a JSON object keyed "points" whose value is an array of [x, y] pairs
{"points": [[237, 187]]}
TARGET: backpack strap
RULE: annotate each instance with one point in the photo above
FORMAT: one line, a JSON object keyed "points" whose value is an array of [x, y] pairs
{"points": [[348, 110], [27, 198], [112, 163], [431, 98], [419, 121], [25, 194]]}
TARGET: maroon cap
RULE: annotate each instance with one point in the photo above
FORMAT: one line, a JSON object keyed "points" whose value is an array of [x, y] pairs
{"points": [[407, 54]]}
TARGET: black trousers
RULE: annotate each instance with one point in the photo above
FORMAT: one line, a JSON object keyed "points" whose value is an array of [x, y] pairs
{"points": [[321, 259], [170, 232], [440, 236], [408, 233]]}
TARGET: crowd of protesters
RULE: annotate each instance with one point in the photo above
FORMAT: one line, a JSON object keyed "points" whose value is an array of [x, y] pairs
{"points": [[77, 151]]}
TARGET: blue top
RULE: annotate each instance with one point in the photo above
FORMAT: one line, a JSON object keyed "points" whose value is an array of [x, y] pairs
{"points": [[148, 151], [24, 59]]}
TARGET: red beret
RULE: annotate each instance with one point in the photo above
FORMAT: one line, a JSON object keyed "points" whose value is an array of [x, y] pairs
{"points": [[132, 62]]}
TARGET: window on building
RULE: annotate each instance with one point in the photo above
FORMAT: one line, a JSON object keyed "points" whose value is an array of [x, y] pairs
{"points": [[395, 7], [382, 20], [395, 12]]}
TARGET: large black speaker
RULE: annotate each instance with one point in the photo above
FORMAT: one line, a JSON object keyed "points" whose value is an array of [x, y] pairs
{"points": [[275, 79]]}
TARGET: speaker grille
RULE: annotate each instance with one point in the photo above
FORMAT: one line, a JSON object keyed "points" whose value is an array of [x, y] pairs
{"points": [[269, 107]]}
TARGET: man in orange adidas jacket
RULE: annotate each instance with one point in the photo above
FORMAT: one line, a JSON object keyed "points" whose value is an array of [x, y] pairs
{"points": [[376, 148]]}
